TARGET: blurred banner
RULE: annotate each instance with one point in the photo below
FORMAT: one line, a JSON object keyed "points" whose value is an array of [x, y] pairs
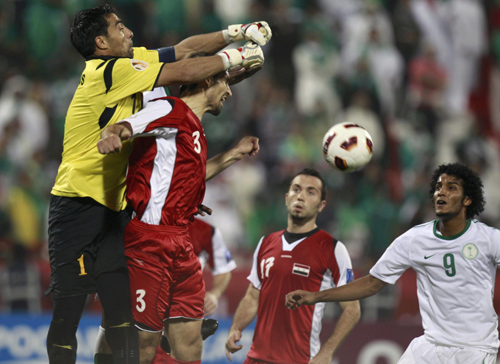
{"points": [[22, 341], [23, 337]]}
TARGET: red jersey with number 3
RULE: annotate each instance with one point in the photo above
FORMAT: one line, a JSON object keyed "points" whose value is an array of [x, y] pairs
{"points": [[167, 168], [313, 262]]}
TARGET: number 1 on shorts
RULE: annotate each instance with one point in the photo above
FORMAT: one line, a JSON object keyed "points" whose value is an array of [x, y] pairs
{"points": [[82, 266]]}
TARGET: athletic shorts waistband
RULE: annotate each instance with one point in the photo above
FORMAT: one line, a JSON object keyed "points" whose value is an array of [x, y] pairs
{"points": [[167, 229]]}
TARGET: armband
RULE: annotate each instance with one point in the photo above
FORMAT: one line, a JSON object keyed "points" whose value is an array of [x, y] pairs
{"points": [[166, 54]]}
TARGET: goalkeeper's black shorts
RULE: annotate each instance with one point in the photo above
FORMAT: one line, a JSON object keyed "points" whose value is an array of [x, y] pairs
{"points": [[85, 240]]}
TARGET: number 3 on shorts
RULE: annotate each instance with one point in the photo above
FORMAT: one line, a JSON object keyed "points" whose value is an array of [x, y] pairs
{"points": [[141, 304]]}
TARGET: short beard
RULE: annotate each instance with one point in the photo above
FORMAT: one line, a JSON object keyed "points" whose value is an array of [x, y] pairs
{"points": [[298, 220], [446, 216], [215, 112]]}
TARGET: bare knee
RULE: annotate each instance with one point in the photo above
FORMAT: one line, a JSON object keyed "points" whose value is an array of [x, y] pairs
{"points": [[185, 339], [148, 343], [188, 349]]}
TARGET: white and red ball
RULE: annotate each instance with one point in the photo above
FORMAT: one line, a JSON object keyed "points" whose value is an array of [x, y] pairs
{"points": [[347, 147]]}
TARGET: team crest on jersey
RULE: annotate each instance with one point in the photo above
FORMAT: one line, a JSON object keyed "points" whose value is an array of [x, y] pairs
{"points": [[139, 65], [470, 251], [301, 269]]}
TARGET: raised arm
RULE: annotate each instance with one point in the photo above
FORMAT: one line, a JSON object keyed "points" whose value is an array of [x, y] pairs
{"points": [[248, 145], [245, 313], [193, 70], [189, 71], [207, 43], [258, 32], [351, 313], [360, 288]]}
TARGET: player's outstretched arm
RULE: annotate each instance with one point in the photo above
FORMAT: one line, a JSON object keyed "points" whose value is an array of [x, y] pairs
{"points": [[193, 70], [257, 32], [202, 43], [248, 145], [245, 313], [112, 137], [351, 313], [360, 288]]}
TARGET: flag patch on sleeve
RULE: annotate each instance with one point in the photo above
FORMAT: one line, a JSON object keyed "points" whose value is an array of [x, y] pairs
{"points": [[228, 255], [301, 269], [349, 276]]}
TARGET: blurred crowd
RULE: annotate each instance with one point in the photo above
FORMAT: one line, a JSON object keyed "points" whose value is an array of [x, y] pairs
{"points": [[422, 76]]}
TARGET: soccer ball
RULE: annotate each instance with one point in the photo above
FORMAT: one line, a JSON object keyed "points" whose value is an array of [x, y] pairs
{"points": [[347, 147]]}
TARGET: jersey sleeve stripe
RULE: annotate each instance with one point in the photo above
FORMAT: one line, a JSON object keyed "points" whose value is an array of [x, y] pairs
{"points": [[161, 179], [334, 243], [253, 277], [155, 110], [343, 273], [157, 77], [108, 74], [100, 65], [106, 116]]}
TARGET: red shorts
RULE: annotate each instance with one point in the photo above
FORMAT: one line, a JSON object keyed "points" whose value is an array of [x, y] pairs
{"points": [[249, 360], [166, 280], [161, 357]]}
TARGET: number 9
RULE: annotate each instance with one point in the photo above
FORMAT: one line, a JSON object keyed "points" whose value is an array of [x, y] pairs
{"points": [[449, 263]]}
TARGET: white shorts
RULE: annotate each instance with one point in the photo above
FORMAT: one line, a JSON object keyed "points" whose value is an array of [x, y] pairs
{"points": [[421, 351]]}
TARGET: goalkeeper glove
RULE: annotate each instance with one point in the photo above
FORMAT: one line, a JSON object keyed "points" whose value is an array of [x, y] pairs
{"points": [[248, 56], [258, 32]]}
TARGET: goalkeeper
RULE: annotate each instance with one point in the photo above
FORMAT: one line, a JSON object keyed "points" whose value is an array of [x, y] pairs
{"points": [[87, 211]]}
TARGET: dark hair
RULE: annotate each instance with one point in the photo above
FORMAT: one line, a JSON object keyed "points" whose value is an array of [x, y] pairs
{"points": [[193, 86], [314, 173], [471, 183], [87, 25]]}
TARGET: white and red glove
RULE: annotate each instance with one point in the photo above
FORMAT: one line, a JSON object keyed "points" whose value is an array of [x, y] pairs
{"points": [[258, 32], [248, 56]]}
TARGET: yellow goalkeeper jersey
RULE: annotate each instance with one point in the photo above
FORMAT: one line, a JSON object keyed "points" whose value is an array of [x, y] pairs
{"points": [[110, 90]]}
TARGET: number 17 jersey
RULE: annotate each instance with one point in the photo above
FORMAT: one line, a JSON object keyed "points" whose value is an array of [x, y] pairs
{"points": [[313, 262]]}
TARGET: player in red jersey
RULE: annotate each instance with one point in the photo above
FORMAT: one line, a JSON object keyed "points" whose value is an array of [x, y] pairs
{"points": [[210, 248], [165, 187], [302, 255]]}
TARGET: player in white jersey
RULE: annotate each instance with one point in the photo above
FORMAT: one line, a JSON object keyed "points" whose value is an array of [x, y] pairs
{"points": [[302, 255], [455, 258]]}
